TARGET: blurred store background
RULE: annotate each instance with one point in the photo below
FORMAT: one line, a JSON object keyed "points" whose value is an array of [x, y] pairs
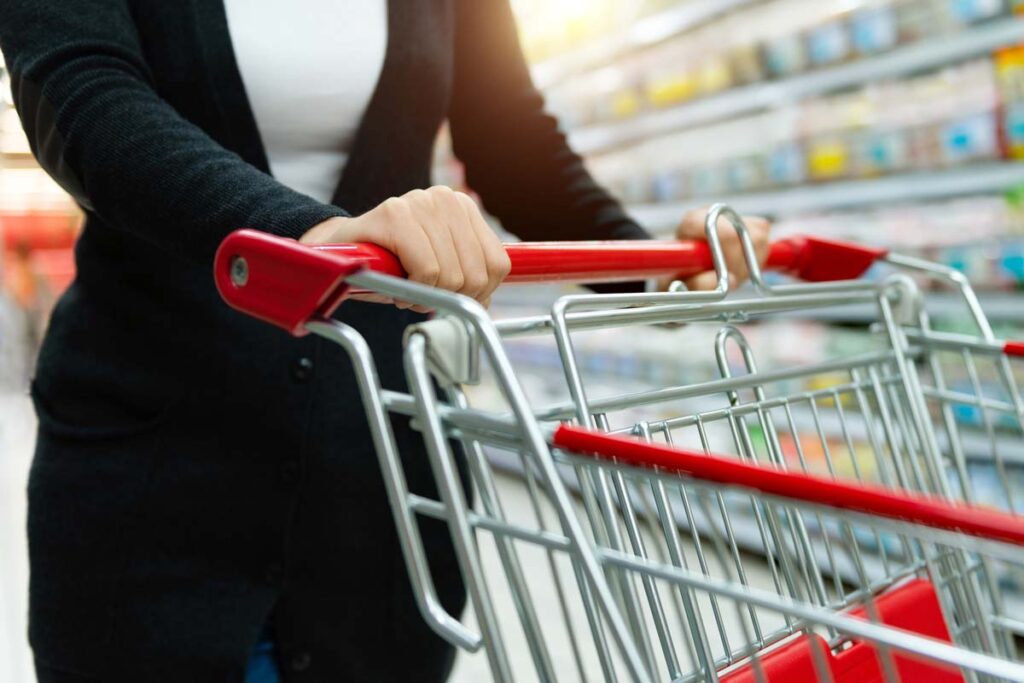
{"points": [[38, 226], [898, 123], [895, 122]]}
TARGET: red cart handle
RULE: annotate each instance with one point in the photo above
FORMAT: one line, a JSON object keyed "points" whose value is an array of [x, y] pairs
{"points": [[286, 283], [874, 500]]}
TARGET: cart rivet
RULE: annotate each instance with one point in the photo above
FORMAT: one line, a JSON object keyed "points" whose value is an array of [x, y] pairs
{"points": [[239, 271]]}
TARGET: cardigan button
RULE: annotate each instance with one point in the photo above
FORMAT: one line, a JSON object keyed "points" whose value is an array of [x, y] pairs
{"points": [[300, 661], [302, 370]]}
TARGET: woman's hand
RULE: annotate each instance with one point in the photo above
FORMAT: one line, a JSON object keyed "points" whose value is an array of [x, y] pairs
{"points": [[692, 227], [438, 235]]}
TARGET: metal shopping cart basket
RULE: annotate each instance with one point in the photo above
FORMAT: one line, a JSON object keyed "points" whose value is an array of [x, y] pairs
{"points": [[812, 518]]}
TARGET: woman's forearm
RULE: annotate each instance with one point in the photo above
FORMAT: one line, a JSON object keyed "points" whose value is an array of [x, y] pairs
{"points": [[97, 124]]}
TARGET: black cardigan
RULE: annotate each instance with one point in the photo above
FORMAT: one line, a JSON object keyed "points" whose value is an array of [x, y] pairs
{"points": [[197, 471]]}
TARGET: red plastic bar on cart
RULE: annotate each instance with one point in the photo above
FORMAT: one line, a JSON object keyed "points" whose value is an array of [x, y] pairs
{"points": [[813, 259], [874, 500], [286, 283], [1014, 348], [913, 606]]}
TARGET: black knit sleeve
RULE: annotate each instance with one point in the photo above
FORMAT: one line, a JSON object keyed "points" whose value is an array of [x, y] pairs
{"points": [[96, 124], [515, 156]]}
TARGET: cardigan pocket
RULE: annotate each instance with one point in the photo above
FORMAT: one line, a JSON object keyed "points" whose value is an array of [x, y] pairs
{"points": [[112, 421], [88, 490]]}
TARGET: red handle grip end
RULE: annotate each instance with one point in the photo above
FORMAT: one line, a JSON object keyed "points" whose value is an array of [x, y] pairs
{"points": [[280, 281], [813, 259], [1014, 348]]}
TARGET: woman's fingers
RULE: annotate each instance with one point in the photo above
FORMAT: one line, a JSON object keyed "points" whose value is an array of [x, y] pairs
{"points": [[707, 281], [466, 244], [471, 258], [732, 249], [496, 262], [760, 233], [693, 227], [398, 228], [438, 235], [444, 270]]}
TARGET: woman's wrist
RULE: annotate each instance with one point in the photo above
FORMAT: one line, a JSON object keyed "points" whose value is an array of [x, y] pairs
{"points": [[326, 231]]}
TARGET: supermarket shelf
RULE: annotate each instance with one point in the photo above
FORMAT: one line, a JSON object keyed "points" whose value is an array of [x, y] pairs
{"points": [[975, 179], [1001, 307], [976, 445], [978, 448], [642, 33], [929, 54]]}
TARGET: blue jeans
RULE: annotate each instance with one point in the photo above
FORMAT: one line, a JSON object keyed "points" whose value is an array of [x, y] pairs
{"points": [[262, 667]]}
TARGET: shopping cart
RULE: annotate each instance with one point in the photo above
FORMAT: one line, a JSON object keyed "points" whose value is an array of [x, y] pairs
{"points": [[791, 554]]}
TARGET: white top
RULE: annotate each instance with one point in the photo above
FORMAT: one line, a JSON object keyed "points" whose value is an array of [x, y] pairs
{"points": [[310, 68]]}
